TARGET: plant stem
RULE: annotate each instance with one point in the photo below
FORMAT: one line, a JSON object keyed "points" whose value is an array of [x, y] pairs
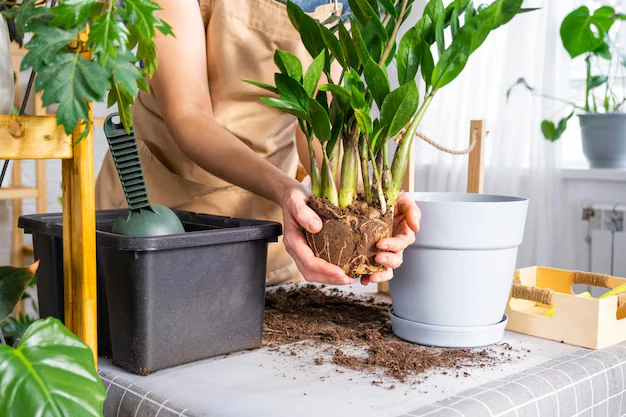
{"points": [[588, 61], [365, 171], [349, 171], [386, 173], [379, 183], [394, 33], [401, 158], [316, 184], [329, 187]]}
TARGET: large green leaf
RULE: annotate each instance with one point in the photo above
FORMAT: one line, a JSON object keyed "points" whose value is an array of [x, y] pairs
{"points": [[125, 79], [398, 109], [428, 64], [552, 132], [436, 13], [313, 74], [377, 81], [359, 13], [288, 64], [311, 35], [336, 90], [13, 282], [45, 45], [332, 43], [577, 30], [291, 90], [108, 34], [389, 7], [287, 107], [372, 41], [358, 44], [70, 80], [141, 15], [373, 18], [352, 79], [349, 52], [409, 56], [28, 17], [70, 13], [295, 14], [264, 86], [320, 121], [50, 374], [363, 121]]}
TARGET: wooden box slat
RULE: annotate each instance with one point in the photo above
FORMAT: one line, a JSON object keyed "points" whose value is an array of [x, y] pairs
{"points": [[33, 137]]}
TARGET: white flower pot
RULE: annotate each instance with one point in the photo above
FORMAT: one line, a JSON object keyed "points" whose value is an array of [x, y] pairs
{"points": [[6, 70], [454, 284]]}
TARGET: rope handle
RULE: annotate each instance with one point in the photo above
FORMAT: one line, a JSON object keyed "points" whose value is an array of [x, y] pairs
{"points": [[544, 295], [442, 148]]}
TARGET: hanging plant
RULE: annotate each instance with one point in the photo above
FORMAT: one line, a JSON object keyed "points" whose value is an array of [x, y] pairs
{"points": [[88, 50]]}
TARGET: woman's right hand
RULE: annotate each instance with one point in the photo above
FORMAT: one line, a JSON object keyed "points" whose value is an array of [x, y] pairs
{"points": [[297, 216]]}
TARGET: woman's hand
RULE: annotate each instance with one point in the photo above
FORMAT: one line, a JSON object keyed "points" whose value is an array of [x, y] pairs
{"points": [[406, 223], [298, 215]]}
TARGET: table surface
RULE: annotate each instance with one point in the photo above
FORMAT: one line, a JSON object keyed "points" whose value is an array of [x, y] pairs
{"points": [[264, 382]]}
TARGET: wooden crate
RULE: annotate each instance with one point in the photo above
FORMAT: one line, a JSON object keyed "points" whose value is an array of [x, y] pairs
{"points": [[590, 323]]}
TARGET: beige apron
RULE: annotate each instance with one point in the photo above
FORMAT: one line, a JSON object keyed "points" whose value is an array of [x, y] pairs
{"points": [[242, 36]]}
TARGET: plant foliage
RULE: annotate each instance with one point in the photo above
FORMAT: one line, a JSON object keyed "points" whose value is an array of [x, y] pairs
{"points": [[82, 50], [364, 53]]}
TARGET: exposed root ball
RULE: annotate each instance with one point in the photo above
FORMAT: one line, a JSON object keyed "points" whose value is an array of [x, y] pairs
{"points": [[349, 236]]}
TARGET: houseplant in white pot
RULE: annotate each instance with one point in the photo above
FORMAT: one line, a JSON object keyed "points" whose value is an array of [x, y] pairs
{"points": [[354, 223], [587, 36]]}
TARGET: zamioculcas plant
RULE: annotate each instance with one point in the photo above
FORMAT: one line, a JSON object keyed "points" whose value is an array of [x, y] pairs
{"points": [[339, 113], [120, 35]]}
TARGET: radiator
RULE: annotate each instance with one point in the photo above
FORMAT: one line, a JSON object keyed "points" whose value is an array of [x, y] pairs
{"points": [[606, 239]]}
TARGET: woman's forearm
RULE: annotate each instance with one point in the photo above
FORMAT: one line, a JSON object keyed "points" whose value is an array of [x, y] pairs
{"points": [[216, 150]]}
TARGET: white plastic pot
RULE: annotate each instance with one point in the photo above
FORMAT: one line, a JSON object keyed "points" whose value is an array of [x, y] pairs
{"points": [[6, 70], [458, 273]]}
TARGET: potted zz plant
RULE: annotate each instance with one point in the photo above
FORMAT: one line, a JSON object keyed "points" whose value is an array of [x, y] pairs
{"points": [[356, 113], [601, 113]]}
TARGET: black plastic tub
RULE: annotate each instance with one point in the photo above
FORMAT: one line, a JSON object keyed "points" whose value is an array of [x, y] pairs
{"points": [[170, 299]]}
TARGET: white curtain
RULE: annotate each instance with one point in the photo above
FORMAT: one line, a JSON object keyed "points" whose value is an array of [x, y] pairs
{"points": [[519, 161]]}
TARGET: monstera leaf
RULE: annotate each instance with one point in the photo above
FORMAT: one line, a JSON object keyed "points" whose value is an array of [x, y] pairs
{"points": [[50, 374], [13, 282]]}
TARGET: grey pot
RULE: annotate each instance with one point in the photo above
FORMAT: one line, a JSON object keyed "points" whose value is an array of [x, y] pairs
{"points": [[6, 69], [604, 139]]}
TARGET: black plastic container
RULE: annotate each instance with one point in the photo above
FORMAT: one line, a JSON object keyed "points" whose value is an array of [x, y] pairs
{"points": [[170, 299]]}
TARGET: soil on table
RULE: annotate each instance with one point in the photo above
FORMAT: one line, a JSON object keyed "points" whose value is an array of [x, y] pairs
{"points": [[349, 236], [345, 322]]}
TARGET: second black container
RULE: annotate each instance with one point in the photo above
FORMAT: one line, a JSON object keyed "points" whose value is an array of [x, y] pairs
{"points": [[178, 298]]}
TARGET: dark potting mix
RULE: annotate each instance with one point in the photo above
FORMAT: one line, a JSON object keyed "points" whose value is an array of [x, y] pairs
{"points": [[341, 323]]}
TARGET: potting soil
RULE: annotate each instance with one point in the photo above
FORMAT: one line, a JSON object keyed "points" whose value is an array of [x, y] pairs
{"points": [[349, 323]]}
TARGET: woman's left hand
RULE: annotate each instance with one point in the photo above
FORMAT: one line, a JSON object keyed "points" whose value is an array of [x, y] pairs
{"points": [[406, 223]]}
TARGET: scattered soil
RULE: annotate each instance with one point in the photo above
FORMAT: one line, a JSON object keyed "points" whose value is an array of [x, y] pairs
{"points": [[350, 324], [348, 237]]}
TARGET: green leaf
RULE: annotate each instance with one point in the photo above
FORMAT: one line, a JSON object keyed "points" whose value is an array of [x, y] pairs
{"points": [[120, 96], [392, 54], [376, 141], [576, 31], [70, 13], [292, 91], [295, 14], [108, 34], [71, 81], [552, 132], [470, 37], [336, 90], [349, 52], [13, 282], [27, 17], [332, 43], [141, 15], [409, 56], [320, 121], [398, 109], [313, 74], [424, 27], [372, 41], [359, 13], [146, 52], [45, 45], [288, 64], [352, 79], [522, 82], [287, 107], [596, 81], [125, 79], [358, 44], [358, 100], [439, 36], [603, 51], [363, 121], [436, 13], [311, 35], [389, 7], [377, 81], [322, 99], [373, 18], [454, 22], [13, 327], [267, 87], [334, 134], [428, 64], [51, 373]]}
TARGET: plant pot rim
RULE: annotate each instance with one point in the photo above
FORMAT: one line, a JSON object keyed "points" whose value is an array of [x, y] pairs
{"points": [[601, 115], [463, 198]]}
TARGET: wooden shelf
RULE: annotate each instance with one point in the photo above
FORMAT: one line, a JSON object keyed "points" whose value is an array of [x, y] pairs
{"points": [[33, 137], [14, 193]]}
